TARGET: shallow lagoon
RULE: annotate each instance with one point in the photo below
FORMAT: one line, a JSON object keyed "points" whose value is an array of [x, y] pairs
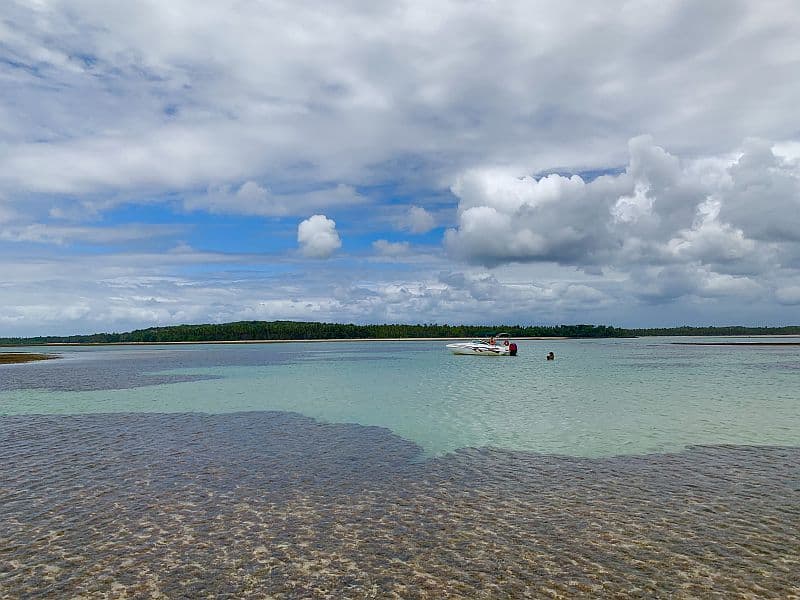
{"points": [[626, 468], [598, 398]]}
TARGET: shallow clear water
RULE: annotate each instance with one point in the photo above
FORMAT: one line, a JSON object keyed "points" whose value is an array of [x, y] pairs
{"points": [[624, 469], [598, 398], [277, 505]]}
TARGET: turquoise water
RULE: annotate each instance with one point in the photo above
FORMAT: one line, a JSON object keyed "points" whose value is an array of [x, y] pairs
{"points": [[598, 398]]}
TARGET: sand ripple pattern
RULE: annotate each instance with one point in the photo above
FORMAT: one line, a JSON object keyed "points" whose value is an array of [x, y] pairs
{"points": [[276, 505]]}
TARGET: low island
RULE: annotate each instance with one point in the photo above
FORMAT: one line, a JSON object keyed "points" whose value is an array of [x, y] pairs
{"points": [[283, 331]]}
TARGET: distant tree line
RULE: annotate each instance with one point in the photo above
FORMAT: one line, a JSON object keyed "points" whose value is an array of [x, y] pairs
{"points": [[712, 331], [297, 330]]}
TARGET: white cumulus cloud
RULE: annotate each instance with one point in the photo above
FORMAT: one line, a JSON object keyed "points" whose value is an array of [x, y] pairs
{"points": [[318, 237], [710, 226], [418, 220]]}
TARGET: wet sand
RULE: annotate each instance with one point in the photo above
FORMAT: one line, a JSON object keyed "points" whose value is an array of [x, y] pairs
{"points": [[276, 505]]}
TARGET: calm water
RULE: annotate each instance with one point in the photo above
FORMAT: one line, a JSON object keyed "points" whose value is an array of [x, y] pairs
{"points": [[626, 468], [599, 398]]}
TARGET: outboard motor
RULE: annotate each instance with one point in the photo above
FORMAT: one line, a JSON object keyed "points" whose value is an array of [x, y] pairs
{"points": [[512, 349]]}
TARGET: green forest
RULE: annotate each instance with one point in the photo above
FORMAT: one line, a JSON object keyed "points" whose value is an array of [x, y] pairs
{"points": [[297, 330]]}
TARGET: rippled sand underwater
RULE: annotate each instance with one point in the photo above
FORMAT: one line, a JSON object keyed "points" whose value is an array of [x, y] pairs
{"points": [[270, 504]]}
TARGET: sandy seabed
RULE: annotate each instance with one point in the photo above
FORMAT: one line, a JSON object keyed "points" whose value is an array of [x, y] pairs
{"points": [[275, 505]]}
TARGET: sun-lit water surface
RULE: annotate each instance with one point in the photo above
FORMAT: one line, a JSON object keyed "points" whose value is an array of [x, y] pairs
{"points": [[598, 398]]}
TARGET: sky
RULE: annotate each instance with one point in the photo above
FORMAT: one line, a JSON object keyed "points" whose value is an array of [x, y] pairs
{"points": [[536, 162]]}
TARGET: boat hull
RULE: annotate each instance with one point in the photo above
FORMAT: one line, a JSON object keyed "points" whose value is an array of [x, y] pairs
{"points": [[478, 350]]}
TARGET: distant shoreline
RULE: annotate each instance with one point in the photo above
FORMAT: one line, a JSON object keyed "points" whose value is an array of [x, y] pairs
{"points": [[303, 341], [278, 332], [738, 343], [418, 339]]}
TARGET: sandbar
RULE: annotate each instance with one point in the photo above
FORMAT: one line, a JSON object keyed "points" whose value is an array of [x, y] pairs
{"points": [[22, 357]]}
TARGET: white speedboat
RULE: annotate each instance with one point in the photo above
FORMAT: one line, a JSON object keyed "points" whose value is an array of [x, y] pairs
{"points": [[498, 345]]}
